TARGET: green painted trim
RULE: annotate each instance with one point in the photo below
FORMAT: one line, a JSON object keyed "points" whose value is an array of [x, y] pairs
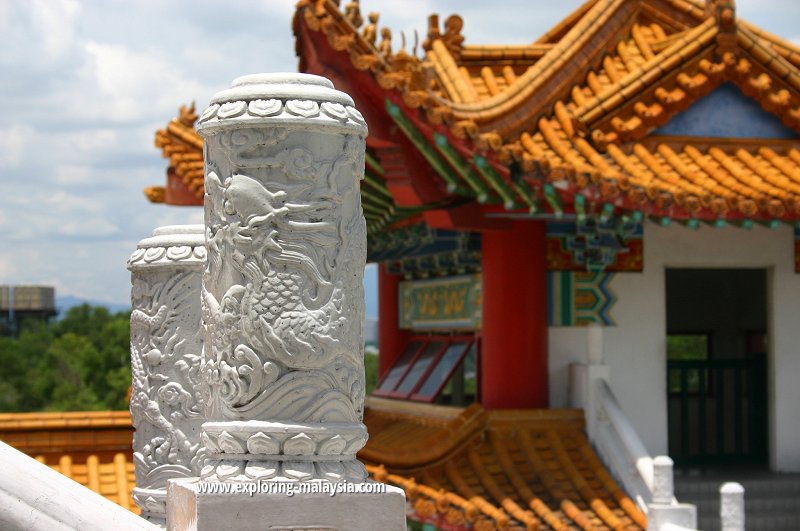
{"points": [[497, 182], [378, 185], [580, 208], [523, 188], [463, 168], [425, 148], [552, 198], [606, 212], [368, 195], [527, 194], [372, 161], [374, 209]]}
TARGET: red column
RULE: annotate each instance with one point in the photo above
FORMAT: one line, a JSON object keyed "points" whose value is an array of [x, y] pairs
{"points": [[390, 338], [514, 329]]}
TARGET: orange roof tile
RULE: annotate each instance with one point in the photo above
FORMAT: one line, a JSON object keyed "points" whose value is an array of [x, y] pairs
{"points": [[582, 101], [460, 468], [529, 469]]}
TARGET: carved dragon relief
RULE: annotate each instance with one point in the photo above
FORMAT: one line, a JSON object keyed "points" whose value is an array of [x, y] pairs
{"points": [[165, 403], [281, 299]]}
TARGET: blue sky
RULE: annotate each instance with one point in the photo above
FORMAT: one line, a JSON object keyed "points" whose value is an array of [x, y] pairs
{"points": [[85, 85]]}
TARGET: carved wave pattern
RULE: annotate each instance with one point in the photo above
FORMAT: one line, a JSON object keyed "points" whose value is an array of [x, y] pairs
{"points": [[285, 334]]}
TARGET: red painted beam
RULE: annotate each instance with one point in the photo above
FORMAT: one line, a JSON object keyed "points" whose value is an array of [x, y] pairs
{"points": [[514, 330]]}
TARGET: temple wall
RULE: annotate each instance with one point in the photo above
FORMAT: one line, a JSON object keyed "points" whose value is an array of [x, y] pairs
{"points": [[635, 349]]}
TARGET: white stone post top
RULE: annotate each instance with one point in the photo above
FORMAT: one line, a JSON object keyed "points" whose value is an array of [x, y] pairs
{"points": [[300, 99], [171, 245]]}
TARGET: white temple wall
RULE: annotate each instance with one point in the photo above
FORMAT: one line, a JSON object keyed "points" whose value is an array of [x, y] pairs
{"points": [[635, 349]]}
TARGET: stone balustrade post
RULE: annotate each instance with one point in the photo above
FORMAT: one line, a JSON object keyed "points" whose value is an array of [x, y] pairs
{"points": [[663, 480], [731, 507], [283, 306], [166, 345]]}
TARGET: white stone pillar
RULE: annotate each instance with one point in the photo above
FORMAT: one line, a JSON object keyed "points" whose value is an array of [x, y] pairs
{"points": [[663, 480], [166, 344], [731, 507], [283, 306]]}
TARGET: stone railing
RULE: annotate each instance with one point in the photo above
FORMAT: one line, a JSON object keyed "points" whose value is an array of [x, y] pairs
{"points": [[648, 480], [269, 293], [34, 496]]}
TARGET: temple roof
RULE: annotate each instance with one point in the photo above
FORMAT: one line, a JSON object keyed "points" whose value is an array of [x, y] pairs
{"points": [[571, 121], [179, 142], [505, 469], [460, 468], [90, 447], [111, 478]]}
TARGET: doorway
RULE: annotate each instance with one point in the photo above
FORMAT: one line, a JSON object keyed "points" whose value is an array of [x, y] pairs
{"points": [[717, 366]]}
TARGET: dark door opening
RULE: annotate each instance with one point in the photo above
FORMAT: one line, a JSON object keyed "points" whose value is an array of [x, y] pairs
{"points": [[717, 366]]}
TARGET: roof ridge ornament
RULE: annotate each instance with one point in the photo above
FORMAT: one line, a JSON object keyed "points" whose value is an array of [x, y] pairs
{"points": [[724, 14], [451, 37]]}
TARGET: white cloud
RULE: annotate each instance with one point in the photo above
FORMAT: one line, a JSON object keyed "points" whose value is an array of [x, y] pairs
{"points": [[14, 141], [53, 20], [134, 83], [70, 174], [90, 227]]}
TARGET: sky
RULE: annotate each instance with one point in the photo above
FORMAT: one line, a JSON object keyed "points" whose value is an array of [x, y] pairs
{"points": [[85, 85]]}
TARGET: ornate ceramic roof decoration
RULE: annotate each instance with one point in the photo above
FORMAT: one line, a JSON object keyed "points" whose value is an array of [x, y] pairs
{"points": [[577, 109], [184, 148], [613, 114]]}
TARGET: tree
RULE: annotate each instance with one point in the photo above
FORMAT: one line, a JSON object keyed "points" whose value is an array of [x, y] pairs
{"points": [[81, 362]]}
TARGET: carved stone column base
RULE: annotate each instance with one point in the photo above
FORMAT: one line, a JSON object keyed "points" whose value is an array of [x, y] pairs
{"points": [[319, 506], [255, 450], [290, 468], [153, 503]]}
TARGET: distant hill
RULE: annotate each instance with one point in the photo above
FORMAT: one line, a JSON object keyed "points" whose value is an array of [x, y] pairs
{"points": [[65, 302]]}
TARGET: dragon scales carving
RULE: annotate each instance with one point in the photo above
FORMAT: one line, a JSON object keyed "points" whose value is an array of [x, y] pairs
{"points": [[283, 376], [166, 344]]}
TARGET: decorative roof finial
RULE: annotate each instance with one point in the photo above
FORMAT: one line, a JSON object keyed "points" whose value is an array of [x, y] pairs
{"points": [[433, 32], [352, 12], [724, 14], [451, 38], [370, 31], [385, 47]]}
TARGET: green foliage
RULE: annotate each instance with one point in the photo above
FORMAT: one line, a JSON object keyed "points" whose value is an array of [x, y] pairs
{"points": [[371, 370], [81, 362], [687, 347]]}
